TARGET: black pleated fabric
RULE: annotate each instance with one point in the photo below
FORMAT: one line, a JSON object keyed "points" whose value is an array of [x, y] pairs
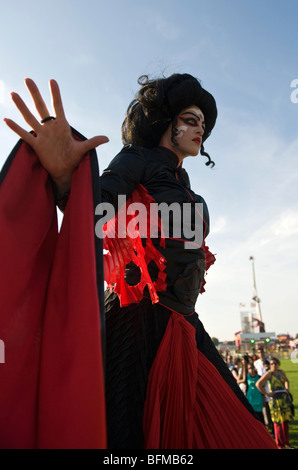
{"points": [[133, 335]]}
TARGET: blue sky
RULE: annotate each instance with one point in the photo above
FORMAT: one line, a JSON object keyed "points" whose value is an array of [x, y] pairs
{"points": [[245, 53]]}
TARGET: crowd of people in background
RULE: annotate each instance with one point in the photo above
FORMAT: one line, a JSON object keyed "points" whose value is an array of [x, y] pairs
{"points": [[267, 389]]}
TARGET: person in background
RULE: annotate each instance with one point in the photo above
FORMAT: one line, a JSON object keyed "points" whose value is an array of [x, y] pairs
{"points": [[253, 394], [239, 372], [242, 380], [230, 362], [262, 365], [280, 401], [259, 363]]}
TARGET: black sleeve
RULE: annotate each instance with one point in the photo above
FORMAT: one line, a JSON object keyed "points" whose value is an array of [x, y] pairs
{"points": [[123, 174], [206, 218]]}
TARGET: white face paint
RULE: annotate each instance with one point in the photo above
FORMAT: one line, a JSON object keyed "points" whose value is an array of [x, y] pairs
{"points": [[188, 133], [181, 130], [196, 111]]}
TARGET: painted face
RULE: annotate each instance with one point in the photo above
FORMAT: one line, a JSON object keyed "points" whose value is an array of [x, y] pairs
{"points": [[189, 131], [185, 137]]}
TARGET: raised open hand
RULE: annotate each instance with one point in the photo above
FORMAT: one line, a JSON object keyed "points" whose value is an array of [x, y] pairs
{"points": [[57, 149]]}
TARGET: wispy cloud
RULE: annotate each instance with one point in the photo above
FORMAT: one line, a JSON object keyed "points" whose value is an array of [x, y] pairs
{"points": [[275, 249], [219, 225], [254, 212], [163, 27]]}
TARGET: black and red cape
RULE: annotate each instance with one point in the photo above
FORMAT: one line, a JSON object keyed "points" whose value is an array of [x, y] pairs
{"points": [[51, 327]]}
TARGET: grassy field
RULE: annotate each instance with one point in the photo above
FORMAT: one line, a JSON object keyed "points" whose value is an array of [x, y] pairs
{"points": [[291, 370]]}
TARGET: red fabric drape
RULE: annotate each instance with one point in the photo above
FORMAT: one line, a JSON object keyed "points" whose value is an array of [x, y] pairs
{"points": [[52, 381], [189, 405], [124, 245]]}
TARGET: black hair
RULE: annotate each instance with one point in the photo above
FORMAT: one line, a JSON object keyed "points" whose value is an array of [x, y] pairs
{"points": [[159, 102], [276, 360]]}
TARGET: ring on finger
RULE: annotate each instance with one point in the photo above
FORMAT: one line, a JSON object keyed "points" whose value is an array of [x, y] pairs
{"points": [[49, 118]]}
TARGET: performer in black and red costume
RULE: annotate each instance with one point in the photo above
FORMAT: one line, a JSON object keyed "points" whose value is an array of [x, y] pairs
{"points": [[149, 369]]}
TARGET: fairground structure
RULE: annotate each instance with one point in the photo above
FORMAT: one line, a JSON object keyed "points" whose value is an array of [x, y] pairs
{"points": [[252, 333]]}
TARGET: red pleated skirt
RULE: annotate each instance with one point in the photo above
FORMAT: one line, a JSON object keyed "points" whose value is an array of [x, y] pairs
{"points": [[188, 403]]}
